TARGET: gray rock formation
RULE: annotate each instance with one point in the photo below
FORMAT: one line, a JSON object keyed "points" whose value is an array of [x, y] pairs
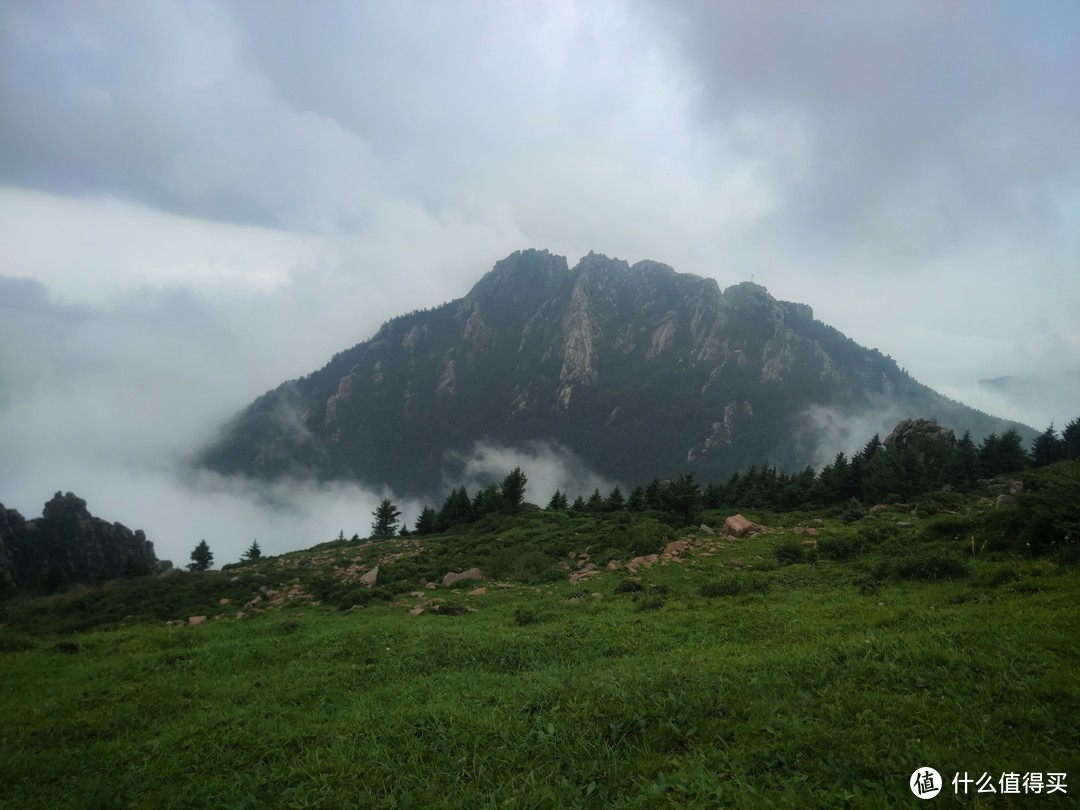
{"points": [[68, 545]]}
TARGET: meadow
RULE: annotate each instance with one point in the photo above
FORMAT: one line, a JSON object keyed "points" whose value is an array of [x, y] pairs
{"points": [[759, 672]]}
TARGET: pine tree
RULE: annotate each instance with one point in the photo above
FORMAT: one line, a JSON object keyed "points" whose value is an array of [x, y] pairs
{"points": [[513, 491], [636, 501], [615, 501], [201, 558], [1070, 438], [425, 524], [557, 502], [596, 502], [682, 499], [1047, 448], [386, 519], [253, 552]]}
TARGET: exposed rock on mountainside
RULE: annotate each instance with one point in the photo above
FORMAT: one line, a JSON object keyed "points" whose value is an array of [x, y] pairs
{"points": [[68, 545], [640, 371]]}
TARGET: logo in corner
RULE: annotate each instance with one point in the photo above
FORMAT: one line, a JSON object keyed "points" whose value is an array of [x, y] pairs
{"points": [[925, 783]]}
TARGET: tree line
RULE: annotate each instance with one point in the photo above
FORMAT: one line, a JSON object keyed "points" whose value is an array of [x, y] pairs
{"points": [[876, 473]]}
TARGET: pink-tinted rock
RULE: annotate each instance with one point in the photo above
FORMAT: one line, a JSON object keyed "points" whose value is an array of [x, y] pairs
{"points": [[430, 586], [416, 611], [195, 620], [812, 531], [738, 526], [877, 507], [223, 600], [676, 547], [810, 543], [481, 591], [452, 577], [369, 579], [800, 530], [613, 565]]}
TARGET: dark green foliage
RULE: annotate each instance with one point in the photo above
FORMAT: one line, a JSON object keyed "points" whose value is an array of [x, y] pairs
{"points": [[202, 558], [595, 502], [488, 501], [457, 508], [1070, 438], [1048, 508], [615, 501], [629, 586], [513, 491], [930, 566], [425, 523], [558, 501], [524, 616], [725, 586], [1002, 454], [681, 500], [636, 501], [386, 516], [788, 552], [253, 552], [852, 512], [1047, 448]]}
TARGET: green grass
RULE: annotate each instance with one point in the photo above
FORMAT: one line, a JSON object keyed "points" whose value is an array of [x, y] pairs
{"points": [[816, 683]]}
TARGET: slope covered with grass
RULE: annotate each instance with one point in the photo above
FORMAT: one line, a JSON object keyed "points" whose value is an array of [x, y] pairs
{"points": [[728, 672]]}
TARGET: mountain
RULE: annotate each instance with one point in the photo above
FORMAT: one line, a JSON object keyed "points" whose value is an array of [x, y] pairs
{"points": [[68, 545], [640, 371]]}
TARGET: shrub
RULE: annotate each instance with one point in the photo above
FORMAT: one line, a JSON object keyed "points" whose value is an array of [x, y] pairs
{"points": [[840, 548], [931, 567], [789, 552], [725, 586]]}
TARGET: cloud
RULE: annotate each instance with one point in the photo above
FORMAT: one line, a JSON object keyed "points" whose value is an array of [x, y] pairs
{"points": [[548, 466], [205, 199]]}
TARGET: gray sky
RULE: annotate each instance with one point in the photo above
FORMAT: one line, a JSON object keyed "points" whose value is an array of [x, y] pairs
{"points": [[199, 200]]}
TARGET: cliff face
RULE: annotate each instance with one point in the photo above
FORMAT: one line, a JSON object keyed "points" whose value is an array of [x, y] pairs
{"points": [[641, 371], [68, 545]]}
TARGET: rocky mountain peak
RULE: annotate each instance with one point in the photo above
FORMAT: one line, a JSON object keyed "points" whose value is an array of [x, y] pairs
{"points": [[640, 370]]}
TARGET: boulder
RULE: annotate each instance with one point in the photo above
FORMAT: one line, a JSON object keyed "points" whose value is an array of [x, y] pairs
{"points": [[738, 526], [472, 573], [370, 578], [195, 620], [481, 591]]}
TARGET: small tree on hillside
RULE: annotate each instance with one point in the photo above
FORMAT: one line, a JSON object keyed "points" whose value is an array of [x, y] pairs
{"points": [[253, 552], [201, 558], [558, 501], [513, 491], [386, 519]]}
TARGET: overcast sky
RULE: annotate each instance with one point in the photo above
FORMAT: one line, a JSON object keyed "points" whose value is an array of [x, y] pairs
{"points": [[199, 200]]}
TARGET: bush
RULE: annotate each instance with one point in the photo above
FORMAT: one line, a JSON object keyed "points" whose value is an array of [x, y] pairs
{"points": [[931, 567], [725, 586], [840, 548], [789, 552]]}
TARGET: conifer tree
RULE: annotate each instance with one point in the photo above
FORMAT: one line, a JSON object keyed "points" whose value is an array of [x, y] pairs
{"points": [[425, 524], [615, 501], [253, 552], [558, 501], [513, 491], [386, 519], [1047, 448], [202, 558], [636, 501], [1070, 438]]}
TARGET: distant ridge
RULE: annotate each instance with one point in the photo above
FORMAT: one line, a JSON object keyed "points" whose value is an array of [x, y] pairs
{"points": [[640, 371]]}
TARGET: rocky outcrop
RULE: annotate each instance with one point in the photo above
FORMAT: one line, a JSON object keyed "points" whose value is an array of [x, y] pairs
{"points": [[68, 545]]}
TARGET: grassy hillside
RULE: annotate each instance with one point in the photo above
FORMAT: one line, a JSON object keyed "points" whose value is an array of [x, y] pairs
{"points": [[731, 672]]}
